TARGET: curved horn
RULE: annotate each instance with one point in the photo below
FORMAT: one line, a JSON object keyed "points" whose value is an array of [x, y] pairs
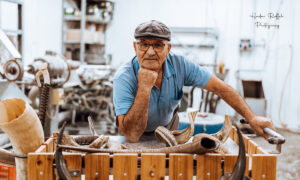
{"points": [[182, 136], [165, 136], [23, 127], [204, 144], [7, 157], [61, 166], [240, 165], [223, 134]]}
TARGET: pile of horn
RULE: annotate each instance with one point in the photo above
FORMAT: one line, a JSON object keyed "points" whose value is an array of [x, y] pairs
{"points": [[202, 143], [176, 140], [23, 127], [176, 137]]}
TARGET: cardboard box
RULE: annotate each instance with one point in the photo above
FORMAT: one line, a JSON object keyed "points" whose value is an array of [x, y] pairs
{"points": [[89, 36]]}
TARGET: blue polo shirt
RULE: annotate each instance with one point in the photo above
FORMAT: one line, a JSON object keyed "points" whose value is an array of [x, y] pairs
{"points": [[177, 72]]}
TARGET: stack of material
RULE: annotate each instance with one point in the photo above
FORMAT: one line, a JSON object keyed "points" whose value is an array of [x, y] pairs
{"points": [[92, 97]]}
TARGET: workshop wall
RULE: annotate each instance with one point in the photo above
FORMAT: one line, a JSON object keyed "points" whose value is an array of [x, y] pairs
{"points": [[232, 17], [42, 28], [277, 51]]}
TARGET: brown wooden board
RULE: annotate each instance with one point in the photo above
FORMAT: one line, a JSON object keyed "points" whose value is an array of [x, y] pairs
{"points": [[42, 148], [73, 161], [97, 166], [125, 166], [49, 144], [229, 162], [54, 136], [153, 166], [260, 150], [40, 166], [264, 166], [209, 167], [246, 140], [7, 172], [252, 147], [181, 166]]}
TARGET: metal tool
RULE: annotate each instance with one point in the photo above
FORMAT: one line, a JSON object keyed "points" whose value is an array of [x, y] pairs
{"points": [[45, 88], [275, 138]]}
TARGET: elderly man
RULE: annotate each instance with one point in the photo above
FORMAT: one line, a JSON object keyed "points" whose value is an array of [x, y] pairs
{"points": [[148, 88]]}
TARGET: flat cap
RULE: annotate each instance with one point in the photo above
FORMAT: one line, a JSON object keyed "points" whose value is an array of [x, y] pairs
{"points": [[152, 29]]}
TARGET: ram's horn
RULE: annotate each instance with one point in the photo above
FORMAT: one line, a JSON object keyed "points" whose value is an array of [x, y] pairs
{"points": [[205, 143], [223, 134], [240, 165], [165, 136], [7, 158], [61, 166], [23, 127], [182, 136]]}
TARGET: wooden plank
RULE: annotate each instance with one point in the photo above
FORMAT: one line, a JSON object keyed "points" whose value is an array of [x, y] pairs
{"points": [[229, 162], [153, 166], [181, 166], [264, 166], [125, 166], [209, 167], [54, 136], [12, 174], [97, 166], [41, 149], [246, 140], [73, 161], [40, 166], [49, 144], [252, 147], [7, 172], [260, 150]]}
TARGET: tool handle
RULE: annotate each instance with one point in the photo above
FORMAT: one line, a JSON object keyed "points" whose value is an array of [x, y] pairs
{"points": [[275, 138]]}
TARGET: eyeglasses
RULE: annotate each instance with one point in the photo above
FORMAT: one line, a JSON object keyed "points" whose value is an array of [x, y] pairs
{"points": [[144, 46]]}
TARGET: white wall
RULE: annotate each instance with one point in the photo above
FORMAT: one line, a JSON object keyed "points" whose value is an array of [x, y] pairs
{"points": [[231, 17], [42, 27]]}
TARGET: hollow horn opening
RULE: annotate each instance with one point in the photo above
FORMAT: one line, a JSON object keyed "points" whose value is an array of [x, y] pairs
{"points": [[208, 143]]}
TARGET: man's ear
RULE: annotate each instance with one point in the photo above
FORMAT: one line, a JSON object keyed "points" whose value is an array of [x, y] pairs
{"points": [[169, 47], [134, 45]]}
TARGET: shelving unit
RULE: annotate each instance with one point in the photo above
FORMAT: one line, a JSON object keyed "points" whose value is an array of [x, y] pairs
{"points": [[83, 30], [18, 33]]}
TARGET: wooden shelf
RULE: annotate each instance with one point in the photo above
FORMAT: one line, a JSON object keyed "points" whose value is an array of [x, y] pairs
{"points": [[71, 42], [90, 44], [71, 18], [78, 42], [88, 19]]}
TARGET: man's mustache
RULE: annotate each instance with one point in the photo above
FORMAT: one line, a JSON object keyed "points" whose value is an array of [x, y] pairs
{"points": [[150, 59]]}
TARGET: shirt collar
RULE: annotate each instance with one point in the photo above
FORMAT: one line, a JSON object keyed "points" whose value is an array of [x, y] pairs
{"points": [[167, 66]]}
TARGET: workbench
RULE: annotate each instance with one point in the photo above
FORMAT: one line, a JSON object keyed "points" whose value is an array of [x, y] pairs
{"points": [[260, 164]]}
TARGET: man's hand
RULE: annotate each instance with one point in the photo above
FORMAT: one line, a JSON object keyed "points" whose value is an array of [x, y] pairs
{"points": [[259, 122], [147, 78]]}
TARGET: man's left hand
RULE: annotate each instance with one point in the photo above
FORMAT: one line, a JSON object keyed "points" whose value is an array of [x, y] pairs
{"points": [[259, 122]]}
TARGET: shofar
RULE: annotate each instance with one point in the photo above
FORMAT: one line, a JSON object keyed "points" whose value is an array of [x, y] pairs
{"points": [[23, 127], [204, 144]]}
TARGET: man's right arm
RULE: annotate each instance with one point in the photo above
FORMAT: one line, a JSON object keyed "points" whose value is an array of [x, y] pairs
{"points": [[133, 124]]}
